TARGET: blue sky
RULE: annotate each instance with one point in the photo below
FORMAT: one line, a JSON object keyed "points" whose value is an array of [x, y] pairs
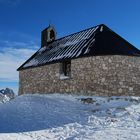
{"points": [[21, 22]]}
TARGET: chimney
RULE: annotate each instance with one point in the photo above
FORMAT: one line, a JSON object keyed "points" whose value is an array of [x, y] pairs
{"points": [[48, 35]]}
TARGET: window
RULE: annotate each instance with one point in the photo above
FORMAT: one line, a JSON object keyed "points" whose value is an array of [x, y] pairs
{"points": [[65, 70], [52, 34]]}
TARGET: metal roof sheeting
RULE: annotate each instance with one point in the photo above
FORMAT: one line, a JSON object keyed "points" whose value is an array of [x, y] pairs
{"points": [[72, 46]]}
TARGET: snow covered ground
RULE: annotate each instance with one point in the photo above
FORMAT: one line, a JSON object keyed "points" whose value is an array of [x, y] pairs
{"points": [[59, 117]]}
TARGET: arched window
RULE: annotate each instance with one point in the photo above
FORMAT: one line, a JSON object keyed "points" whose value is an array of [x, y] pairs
{"points": [[52, 34]]}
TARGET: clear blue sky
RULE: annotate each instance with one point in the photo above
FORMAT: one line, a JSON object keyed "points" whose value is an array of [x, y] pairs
{"points": [[21, 22]]}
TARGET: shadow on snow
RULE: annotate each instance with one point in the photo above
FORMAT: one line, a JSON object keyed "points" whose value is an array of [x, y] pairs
{"points": [[32, 113]]}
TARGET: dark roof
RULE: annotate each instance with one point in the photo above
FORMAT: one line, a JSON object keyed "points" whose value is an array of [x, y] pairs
{"points": [[98, 40]]}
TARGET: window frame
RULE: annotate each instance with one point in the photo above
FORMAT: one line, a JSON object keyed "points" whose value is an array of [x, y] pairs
{"points": [[65, 70]]}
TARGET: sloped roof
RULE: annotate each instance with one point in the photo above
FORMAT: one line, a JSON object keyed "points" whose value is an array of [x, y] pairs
{"points": [[98, 40]]}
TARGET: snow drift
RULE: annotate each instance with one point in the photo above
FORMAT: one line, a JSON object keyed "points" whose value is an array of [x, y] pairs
{"points": [[58, 116]]}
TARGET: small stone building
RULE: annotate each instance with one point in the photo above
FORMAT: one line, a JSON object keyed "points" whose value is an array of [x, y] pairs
{"points": [[95, 61]]}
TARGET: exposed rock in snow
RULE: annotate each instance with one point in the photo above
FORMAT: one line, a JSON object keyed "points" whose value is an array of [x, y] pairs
{"points": [[6, 95]]}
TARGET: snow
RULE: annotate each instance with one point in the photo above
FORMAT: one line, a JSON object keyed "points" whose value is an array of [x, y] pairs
{"points": [[4, 98], [88, 48], [63, 77], [69, 43], [32, 62], [101, 29], [60, 117]]}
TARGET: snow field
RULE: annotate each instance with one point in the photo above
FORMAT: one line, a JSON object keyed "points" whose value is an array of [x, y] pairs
{"points": [[71, 117]]}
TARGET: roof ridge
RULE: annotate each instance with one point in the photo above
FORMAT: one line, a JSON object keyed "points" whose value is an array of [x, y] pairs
{"points": [[79, 32]]}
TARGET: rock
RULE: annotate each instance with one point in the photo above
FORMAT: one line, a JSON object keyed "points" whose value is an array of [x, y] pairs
{"points": [[87, 100], [7, 94]]}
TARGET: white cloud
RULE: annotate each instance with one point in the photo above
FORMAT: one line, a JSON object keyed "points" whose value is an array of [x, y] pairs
{"points": [[10, 60], [15, 44]]}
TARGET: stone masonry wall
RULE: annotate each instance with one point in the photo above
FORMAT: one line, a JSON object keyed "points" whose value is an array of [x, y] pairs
{"points": [[98, 75]]}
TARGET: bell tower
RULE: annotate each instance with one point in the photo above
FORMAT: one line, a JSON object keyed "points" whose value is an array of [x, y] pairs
{"points": [[48, 35]]}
